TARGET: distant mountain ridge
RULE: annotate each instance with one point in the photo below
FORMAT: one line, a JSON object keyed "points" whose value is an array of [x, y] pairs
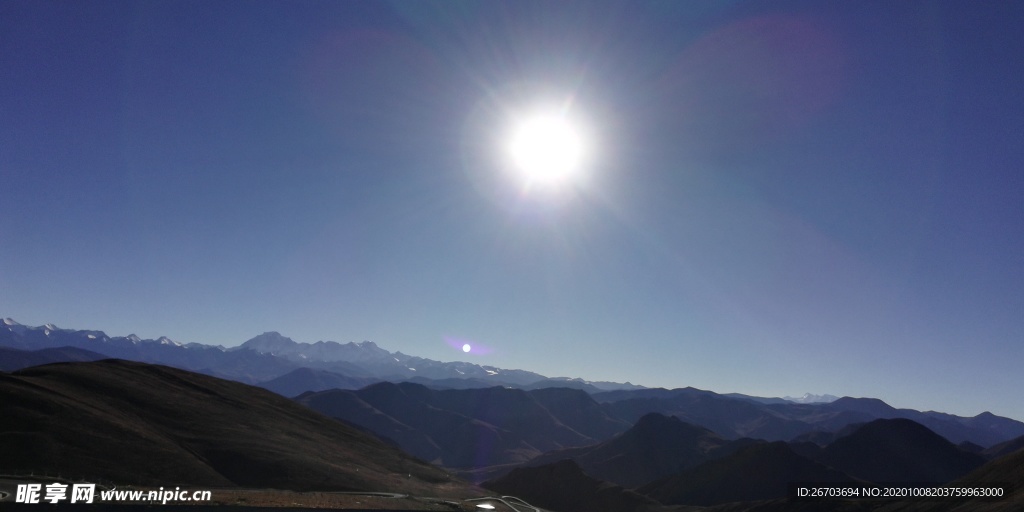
{"points": [[272, 355], [377, 362], [12, 359]]}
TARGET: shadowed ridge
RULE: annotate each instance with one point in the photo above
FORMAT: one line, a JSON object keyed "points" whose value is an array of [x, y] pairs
{"points": [[577, 410], [655, 447], [757, 472], [899, 450], [563, 486], [348, 407], [461, 428]]}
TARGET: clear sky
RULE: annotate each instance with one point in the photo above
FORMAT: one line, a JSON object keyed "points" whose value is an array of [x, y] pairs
{"points": [[774, 198]]}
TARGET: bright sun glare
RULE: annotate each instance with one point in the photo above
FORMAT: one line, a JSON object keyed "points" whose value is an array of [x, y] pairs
{"points": [[546, 148]]}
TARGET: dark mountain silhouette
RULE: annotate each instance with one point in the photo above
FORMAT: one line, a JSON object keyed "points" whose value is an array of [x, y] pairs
{"points": [[12, 359], [898, 450], [984, 429], [757, 472], [136, 423], [738, 416], [471, 427], [871, 407], [1006, 470], [563, 486], [732, 418], [656, 447], [301, 380]]}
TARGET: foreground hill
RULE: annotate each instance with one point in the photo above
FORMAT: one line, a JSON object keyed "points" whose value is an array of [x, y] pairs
{"points": [[136, 423]]}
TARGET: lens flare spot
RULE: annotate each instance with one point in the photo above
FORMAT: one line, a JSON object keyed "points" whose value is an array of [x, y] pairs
{"points": [[467, 346]]}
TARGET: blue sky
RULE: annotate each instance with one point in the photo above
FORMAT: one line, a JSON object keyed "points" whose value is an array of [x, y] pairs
{"points": [[779, 197]]}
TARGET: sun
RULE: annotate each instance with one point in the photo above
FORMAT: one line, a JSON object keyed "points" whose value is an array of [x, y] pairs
{"points": [[546, 148]]}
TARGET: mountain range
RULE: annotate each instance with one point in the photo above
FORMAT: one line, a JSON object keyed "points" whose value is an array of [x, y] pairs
{"points": [[270, 355], [288, 367], [560, 441]]}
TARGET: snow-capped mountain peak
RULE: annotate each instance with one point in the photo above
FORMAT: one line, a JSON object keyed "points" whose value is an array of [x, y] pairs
{"points": [[809, 398], [164, 340]]}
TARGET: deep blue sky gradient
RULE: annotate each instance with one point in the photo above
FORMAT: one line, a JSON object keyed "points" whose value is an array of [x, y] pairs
{"points": [[784, 196]]}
